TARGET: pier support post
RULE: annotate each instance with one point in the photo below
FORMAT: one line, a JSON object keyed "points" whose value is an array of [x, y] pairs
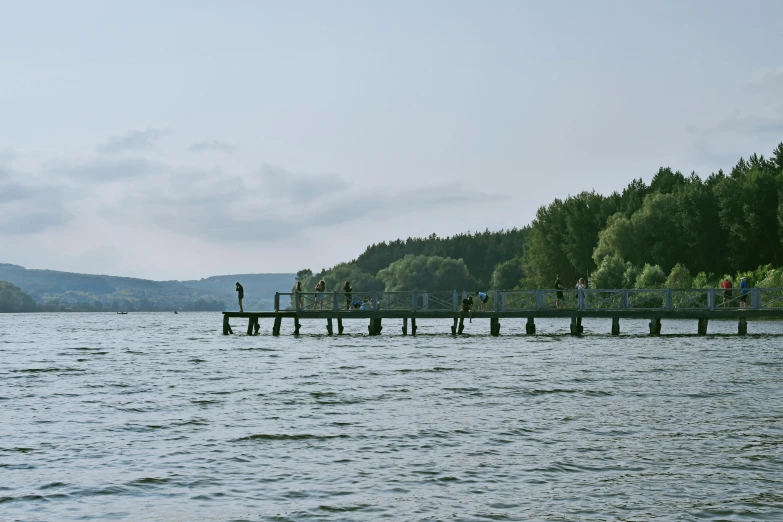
{"points": [[655, 326], [404, 326], [615, 326], [576, 326], [339, 326], [454, 327], [251, 325], [494, 326], [276, 326], [530, 326], [742, 327], [256, 327], [461, 324], [375, 326], [703, 326], [413, 326], [226, 327], [329, 326], [297, 325]]}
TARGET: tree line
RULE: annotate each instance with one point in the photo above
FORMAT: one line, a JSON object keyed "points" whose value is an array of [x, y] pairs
{"points": [[679, 231], [432, 263], [724, 226], [14, 300]]}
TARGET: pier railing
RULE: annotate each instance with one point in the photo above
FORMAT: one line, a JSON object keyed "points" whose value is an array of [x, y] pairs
{"points": [[591, 299]]}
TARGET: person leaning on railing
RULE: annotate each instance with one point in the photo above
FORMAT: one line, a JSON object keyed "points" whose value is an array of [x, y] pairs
{"points": [[348, 297], [297, 291], [319, 296], [743, 292]]}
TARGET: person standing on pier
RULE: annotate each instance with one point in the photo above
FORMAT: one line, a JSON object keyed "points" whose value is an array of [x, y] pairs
{"points": [[743, 293], [559, 287], [483, 298], [240, 295], [580, 286], [348, 297], [726, 285], [319, 296], [297, 291]]}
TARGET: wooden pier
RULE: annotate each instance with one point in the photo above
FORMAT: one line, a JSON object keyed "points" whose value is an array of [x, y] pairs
{"points": [[655, 305]]}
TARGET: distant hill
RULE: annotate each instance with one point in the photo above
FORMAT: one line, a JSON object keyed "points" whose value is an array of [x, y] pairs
{"points": [[55, 290]]}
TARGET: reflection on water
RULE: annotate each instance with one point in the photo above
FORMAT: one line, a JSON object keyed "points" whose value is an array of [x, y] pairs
{"points": [[159, 417]]}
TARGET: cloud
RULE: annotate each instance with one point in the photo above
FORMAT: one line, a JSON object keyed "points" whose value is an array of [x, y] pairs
{"points": [[133, 140], [27, 221], [212, 145], [272, 204], [27, 207], [7, 156], [284, 184], [768, 81], [743, 124], [107, 170]]}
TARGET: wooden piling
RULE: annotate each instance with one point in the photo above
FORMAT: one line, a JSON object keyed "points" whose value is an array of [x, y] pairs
{"points": [[655, 326], [276, 327], [339, 326], [615, 326], [413, 326], [226, 326], [297, 325], [702, 327], [461, 324], [251, 322], [375, 326], [404, 326], [494, 326], [329, 330], [576, 326], [742, 326], [454, 327], [530, 326]]}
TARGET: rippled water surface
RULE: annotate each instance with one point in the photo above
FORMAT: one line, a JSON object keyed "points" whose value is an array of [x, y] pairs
{"points": [[159, 417]]}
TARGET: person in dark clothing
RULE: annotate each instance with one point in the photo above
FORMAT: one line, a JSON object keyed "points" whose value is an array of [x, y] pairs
{"points": [[348, 297], [743, 293], [240, 295], [559, 287], [467, 304]]}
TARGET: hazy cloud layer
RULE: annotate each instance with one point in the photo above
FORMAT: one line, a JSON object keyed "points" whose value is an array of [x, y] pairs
{"points": [[27, 206], [132, 141], [106, 170], [280, 183], [212, 145], [749, 123], [769, 82], [271, 204]]}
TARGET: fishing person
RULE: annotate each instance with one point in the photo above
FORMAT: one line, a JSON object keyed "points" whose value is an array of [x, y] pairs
{"points": [[467, 307], [559, 287], [743, 292], [240, 295], [483, 297], [347, 289]]}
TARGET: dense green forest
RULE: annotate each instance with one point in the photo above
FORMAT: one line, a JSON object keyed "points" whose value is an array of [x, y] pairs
{"points": [[54, 291], [14, 300], [432, 263], [678, 231]]}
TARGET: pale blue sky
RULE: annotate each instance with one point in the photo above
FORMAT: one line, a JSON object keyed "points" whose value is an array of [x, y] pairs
{"points": [[184, 139]]}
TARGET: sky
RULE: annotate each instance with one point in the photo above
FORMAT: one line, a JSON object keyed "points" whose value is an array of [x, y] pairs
{"points": [[183, 139]]}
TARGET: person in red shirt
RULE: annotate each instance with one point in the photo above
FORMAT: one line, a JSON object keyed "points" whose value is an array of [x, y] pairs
{"points": [[726, 285]]}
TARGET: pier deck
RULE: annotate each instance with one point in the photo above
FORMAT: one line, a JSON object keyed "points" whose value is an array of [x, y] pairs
{"points": [[654, 304]]}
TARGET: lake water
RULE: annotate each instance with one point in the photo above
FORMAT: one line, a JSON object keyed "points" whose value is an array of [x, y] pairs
{"points": [[160, 417]]}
